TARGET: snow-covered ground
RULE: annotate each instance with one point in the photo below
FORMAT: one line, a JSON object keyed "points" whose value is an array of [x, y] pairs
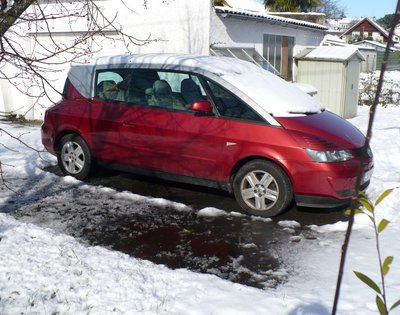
{"points": [[43, 271]]}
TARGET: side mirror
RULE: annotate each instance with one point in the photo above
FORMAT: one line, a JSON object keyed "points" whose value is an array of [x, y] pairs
{"points": [[201, 106]]}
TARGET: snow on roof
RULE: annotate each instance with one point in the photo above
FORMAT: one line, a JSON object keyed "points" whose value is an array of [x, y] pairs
{"points": [[373, 43], [250, 5], [331, 40], [334, 38], [333, 53], [268, 17], [216, 65]]}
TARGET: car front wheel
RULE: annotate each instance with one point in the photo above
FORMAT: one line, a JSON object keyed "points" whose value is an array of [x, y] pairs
{"points": [[74, 157], [262, 188]]}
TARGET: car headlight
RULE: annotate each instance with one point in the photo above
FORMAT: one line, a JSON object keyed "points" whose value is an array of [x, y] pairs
{"points": [[329, 156]]}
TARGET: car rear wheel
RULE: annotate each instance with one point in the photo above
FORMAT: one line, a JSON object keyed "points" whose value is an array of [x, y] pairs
{"points": [[74, 157], [262, 188]]}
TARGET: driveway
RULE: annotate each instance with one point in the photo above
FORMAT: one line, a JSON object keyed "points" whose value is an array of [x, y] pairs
{"points": [[209, 235]]}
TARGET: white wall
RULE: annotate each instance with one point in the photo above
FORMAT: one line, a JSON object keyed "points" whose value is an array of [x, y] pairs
{"points": [[328, 78], [243, 32], [351, 85], [5, 93], [336, 82], [172, 26]]}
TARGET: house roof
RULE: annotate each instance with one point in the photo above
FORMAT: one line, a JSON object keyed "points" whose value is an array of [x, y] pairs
{"points": [[373, 43], [331, 53], [373, 23], [330, 40], [266, 17]]}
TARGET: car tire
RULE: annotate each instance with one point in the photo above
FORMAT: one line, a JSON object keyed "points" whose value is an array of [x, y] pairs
{"points": [[262, 188], [74, 156]]}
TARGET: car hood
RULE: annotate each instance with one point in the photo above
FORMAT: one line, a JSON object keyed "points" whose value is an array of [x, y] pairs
{"points": [[323, 131]]}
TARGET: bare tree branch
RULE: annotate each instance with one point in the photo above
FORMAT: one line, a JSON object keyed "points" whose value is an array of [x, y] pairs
{"points": [[31, 21], [27, 21]]}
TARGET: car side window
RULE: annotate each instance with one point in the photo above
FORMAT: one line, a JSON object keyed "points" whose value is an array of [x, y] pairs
{"points": [[106, 85], [165, 89], [125, 85], [175, 90], [229, 105], [139, 84]]}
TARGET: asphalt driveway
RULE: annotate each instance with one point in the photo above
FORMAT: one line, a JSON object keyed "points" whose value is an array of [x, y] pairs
{"points": [[224, 242]]}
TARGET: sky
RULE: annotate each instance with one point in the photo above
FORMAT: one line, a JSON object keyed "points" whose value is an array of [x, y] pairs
{"points": [[369, 8], [362, 8]]}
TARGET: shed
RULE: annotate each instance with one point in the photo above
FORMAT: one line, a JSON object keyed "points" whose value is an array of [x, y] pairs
{"points": [[335, 72]]}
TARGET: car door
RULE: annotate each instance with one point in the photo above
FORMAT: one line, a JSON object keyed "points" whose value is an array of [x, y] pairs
{"points": [[245, 131], [106, 115], [165, 135]]}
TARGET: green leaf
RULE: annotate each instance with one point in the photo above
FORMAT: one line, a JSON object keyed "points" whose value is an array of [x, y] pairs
{"points": [[356, 211], [383, 196], [362, 194], [381, 306], [382, 225], [365, 202], [395, 305], [368, 281], [386, 265]]}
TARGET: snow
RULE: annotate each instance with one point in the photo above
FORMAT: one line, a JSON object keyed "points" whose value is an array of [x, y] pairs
{"points": [[334, 53], [289, 224], [292, 102], [99, 281], [267, 16], [251, 5], [211, 212], [45, 271]]}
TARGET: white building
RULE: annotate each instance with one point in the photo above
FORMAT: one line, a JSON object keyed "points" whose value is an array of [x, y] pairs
{"points": [[180, 26]]}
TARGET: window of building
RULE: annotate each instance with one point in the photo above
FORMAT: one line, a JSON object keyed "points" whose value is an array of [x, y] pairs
{"points": [[248, 54], [278, 50]]}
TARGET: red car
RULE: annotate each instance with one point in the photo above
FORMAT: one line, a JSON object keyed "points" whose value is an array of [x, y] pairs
{"points": [[212, 121]]}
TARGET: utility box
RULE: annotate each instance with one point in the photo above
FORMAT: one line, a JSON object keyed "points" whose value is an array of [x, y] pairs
{"points": [[335, 72]]}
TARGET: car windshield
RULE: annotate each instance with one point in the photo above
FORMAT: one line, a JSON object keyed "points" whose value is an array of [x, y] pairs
{"points": [[273, 94]]}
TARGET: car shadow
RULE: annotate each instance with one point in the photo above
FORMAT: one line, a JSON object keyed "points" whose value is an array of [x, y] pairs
{"points": [[200, 197], [237, 247]]}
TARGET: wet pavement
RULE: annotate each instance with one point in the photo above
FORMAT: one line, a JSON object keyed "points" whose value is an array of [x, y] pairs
{"points": [[198, 197], [248, 250]]}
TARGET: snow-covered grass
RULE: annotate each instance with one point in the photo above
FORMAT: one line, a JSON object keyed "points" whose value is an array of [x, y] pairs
{"points": [[43, 271], [390, 94]]}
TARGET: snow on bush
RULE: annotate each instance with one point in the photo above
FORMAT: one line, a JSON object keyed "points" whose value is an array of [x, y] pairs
{"points": [[390, 94]]}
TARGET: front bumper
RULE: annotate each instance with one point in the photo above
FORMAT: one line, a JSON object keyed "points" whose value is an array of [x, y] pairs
{"points": [[327, 202], [329, 185]]}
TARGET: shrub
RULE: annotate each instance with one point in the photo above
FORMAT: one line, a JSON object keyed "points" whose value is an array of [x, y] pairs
{"points": [[384, 264], [390, 94]]}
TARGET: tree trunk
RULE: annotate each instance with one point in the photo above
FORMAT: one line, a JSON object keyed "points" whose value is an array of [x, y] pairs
{"points": [[8, 17]]}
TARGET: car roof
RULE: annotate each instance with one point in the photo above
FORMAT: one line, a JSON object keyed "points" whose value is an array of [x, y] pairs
{"points": [[267, 93], [198, 63]]}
